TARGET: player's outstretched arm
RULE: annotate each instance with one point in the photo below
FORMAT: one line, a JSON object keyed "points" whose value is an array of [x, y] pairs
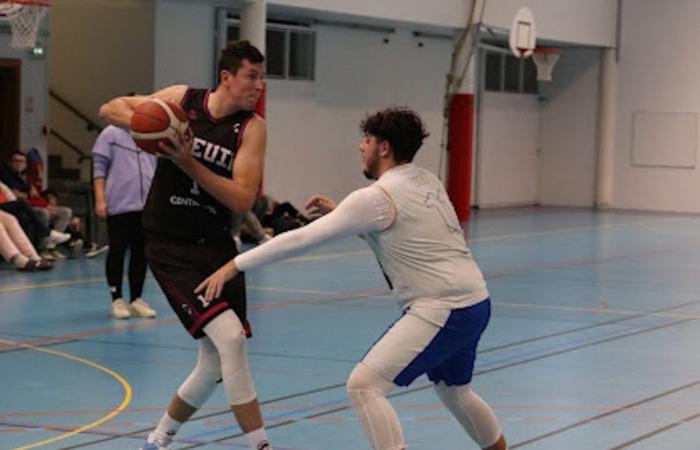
{"points": [[118, 111]]}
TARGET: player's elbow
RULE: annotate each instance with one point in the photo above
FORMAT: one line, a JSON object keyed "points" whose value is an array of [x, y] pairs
{"points": [[106, 110]]}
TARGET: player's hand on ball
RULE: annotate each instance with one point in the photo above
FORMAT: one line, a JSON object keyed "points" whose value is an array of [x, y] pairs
{"points": [[178, 149], [214, 284], [319, 205]]}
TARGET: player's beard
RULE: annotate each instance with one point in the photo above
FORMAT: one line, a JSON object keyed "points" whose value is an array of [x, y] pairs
{"points": [[371, 163]]}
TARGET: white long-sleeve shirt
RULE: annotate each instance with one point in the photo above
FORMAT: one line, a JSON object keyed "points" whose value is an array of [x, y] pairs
{"points": [[413, 230]]}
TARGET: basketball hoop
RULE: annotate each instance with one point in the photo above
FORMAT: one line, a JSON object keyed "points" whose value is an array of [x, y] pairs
{"points": [[545, 58], [24, 17]]}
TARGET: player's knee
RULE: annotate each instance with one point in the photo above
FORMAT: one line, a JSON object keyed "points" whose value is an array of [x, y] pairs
{"points": [[366, 379]]}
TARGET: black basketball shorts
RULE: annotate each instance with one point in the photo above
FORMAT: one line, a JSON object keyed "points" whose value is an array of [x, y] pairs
{"points": [[179, 267]]}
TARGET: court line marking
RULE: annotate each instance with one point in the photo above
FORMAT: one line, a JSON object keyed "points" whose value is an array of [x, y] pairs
{"points": [[325, 256], [490, 370], [396, 394], [125, 401]]}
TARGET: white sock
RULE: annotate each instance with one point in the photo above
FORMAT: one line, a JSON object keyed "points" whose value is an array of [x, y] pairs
{"points": [[166, 429], [19, 260], [258, 439]]}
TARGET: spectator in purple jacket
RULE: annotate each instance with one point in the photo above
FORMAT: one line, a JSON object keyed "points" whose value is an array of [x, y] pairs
{"points": [[122, 175]]}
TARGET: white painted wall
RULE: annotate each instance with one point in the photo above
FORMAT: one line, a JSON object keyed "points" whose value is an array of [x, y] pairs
{"points": [[507, 154], [313, 126], [444, 13], [568, 130], [589, 22], [183, 57], [657, 72]]}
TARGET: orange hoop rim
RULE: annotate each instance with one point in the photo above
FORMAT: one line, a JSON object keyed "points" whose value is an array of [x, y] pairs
{"points": [[27, 2], [546, 50]]}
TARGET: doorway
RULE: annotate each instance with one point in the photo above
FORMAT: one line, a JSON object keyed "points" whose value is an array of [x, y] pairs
{"points": [[9, 106]]}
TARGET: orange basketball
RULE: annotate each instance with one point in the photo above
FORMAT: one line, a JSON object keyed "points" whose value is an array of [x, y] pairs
{"points": [[156, 121]]}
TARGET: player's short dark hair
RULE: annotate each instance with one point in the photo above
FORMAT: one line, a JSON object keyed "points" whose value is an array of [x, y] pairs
{"points": [[401, 127], [235, 53]]}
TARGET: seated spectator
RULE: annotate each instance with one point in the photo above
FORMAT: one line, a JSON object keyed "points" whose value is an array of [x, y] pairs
{"points": [[15, 247], [13, 174], [247, 228], [38, 233], [279, 217], [79, 242]]}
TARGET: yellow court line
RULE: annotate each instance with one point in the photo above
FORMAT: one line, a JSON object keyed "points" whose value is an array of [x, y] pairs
{"points": [[125, 402]]}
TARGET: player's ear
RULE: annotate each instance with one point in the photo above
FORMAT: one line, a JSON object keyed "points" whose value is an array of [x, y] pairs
{"points": [[385, 148]]}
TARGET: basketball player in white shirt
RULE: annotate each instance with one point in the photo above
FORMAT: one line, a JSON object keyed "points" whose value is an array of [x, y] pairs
{"points": [[413, 230]]}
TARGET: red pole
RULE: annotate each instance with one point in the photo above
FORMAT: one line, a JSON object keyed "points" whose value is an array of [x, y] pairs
{"points": [[260, 110], [460, 138]]}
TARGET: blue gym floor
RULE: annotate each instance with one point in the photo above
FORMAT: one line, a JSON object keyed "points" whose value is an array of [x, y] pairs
{"points": [[591, 344]]}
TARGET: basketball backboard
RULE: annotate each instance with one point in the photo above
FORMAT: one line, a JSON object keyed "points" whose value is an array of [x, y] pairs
{"points": [[523, 34]]}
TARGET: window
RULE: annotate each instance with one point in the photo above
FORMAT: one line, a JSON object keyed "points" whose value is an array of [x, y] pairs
{"points": [[291, 50], [506, 73]]}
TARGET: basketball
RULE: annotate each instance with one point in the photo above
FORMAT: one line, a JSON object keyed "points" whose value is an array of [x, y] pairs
{"points": [[156, 121]]}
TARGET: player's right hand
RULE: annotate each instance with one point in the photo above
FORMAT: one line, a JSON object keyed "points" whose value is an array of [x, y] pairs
{"points": [[214, 284], [318, 205]]}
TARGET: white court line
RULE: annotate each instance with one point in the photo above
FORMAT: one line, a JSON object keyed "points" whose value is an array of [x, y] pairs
{"points": [[323, 257], [624, 312]]}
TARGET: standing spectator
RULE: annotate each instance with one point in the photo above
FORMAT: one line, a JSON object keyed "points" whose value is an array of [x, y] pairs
{"points": [[122, 175]]}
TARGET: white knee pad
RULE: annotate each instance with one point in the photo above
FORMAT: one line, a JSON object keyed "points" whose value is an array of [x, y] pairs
{"points": [[367, 390], [199, 386], [472, 412], [226, 333]]}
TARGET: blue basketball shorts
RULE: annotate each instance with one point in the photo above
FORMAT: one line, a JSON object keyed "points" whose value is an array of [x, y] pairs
{"points": [[438, 342]]}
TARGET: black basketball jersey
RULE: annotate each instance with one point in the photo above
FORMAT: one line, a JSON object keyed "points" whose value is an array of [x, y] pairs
{"points": [[179, 208]]}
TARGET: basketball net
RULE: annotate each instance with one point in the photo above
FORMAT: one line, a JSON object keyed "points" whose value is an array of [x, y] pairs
{"points": [[24, 17], [545, 59]]}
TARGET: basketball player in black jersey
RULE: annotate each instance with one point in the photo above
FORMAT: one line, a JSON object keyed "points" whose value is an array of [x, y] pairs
{"points": [[198, 182]]}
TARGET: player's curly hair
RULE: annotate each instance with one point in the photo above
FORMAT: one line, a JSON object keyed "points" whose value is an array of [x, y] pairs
{"points": [[401, 127], [235, 53]]}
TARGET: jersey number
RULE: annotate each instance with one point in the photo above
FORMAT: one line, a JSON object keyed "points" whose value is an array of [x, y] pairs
{"points": [[438, 201]]}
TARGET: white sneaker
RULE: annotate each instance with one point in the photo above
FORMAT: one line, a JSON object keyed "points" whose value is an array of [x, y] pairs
{"points": [[120, 310], [95, 250], [139, 308], [54, 238]]}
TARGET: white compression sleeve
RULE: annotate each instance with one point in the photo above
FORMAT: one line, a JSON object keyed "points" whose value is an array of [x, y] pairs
{"points": [[473, 413], [201, 383], [364, 210], [367, 390], [227, 335]]}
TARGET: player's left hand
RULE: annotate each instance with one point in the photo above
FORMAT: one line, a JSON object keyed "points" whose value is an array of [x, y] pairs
{"points": [[214, 284]]}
